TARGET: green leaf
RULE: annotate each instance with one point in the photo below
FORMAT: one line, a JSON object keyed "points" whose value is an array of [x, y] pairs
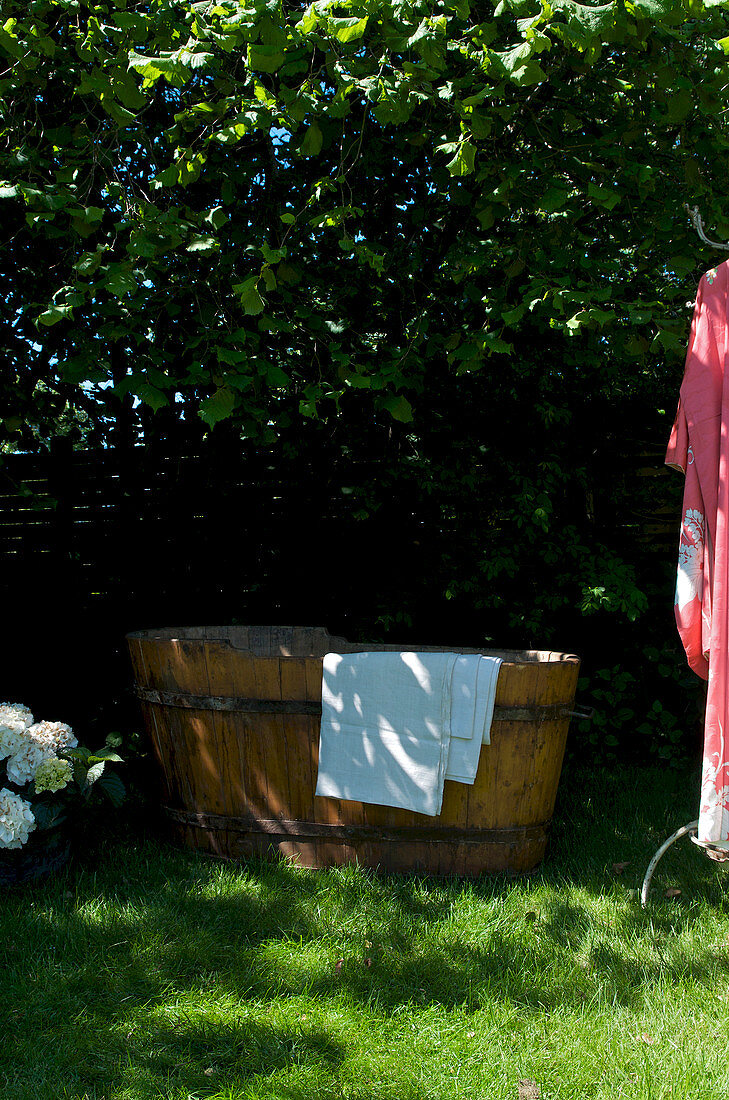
{"points": [[151, 396], [578, 320], [554, 199], [217, 217], [272, 255], [9, 41], [89, 262], [121, 283], [357, 381], [169, 176], [480, 124], [204, 245], [141, 244], [424, 30], [155, 68], [288, 274], [9, 191], [197, 59], [113, 787], [680, 104], [95, 772], [399, 407], [277, 377], [530, 73], [265, 59], [88, 220], [603, 196], [311, 145], [287, 218], [47, 815], [217, 407], [231, 357], [78, 752], [308, 22], [493, 343], [668, 340], [53, 315], [602, 316], [513, 316], [106, 754], [250, 299], [464, 162], [174, 66], [346, 30], [229, 135]]}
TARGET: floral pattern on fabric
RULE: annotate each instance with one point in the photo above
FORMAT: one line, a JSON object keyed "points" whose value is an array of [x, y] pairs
{"points": [[715, 796], [690, 558], [711, 275]]}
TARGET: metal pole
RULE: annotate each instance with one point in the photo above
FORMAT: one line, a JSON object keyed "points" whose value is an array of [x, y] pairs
{"points": [[691, 828]]}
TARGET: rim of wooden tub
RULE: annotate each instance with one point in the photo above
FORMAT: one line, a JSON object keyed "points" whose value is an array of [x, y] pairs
{"points": [[303, 641]]}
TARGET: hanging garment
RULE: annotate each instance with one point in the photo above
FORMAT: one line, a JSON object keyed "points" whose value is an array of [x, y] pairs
{"points": [[699, 447]]}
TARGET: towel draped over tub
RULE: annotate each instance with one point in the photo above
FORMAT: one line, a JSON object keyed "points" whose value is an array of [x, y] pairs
{"points": [[396, 725]]}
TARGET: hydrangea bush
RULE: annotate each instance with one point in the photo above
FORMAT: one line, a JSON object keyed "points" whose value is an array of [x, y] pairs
{"points": [[47, 771]]}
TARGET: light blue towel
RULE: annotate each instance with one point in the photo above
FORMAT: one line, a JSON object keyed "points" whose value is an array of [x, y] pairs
{"points": [[473, 691], [389, 722]]}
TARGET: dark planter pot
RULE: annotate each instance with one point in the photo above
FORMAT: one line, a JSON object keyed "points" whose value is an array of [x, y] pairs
{"points": [[47, 850]]}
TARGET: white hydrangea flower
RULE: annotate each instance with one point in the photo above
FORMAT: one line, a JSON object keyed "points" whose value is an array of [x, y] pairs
{"points": [[24, 762], [11, 741], [53, 774], [14, 721], [53, 735], [13, 715], [16, 820]]}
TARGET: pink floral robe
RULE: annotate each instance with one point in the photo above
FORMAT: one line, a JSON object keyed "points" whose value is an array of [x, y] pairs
{"points": [[699, 447]]}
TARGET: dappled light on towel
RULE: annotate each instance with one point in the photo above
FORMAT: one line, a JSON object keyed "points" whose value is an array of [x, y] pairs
{"points": [[392, 721]]}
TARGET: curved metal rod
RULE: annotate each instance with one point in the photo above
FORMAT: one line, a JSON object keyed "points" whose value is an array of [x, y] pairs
{"points": [[692, 827], [693, 213]]}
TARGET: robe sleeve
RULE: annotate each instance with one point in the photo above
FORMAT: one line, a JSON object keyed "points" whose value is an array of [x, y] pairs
{"points": [[678, 444], [695, 423]]}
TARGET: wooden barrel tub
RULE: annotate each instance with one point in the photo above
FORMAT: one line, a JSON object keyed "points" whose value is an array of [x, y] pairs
{"points": [[233, 714]]}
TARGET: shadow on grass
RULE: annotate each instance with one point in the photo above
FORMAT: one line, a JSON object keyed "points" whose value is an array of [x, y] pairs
{"points": [[158, 971]]}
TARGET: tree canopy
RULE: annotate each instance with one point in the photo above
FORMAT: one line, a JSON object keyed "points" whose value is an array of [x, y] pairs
{"points": [[270, 212]]}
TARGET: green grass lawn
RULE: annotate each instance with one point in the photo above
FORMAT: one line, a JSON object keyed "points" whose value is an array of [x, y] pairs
{"points": [[144, 972]]}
